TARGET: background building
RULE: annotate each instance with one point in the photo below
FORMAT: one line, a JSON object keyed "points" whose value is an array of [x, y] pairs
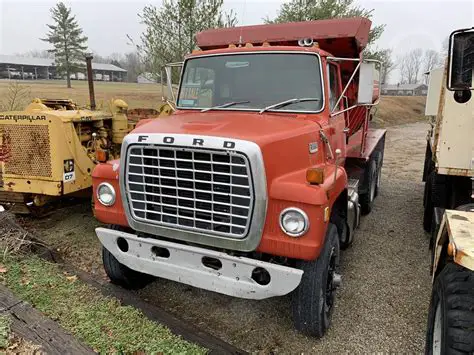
{"points": [[14, 67], [405, 90]]}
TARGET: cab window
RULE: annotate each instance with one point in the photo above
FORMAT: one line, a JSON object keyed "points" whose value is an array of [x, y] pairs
{"points": [[334, 91]]}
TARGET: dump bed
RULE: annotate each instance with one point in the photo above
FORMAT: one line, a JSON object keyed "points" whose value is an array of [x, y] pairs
{"points": [[340, 37]]}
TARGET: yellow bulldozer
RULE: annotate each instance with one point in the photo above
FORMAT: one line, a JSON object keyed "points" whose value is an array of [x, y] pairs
{"points": [[49, 149]]}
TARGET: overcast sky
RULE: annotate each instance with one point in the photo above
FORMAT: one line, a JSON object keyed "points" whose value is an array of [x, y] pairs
{"points": [[409, 24]]}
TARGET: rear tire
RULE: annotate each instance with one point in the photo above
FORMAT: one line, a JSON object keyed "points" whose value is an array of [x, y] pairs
{"points": [[428, 208], [120, 274], [367, 199], [378, 157], [313, 300], [451, 315]]}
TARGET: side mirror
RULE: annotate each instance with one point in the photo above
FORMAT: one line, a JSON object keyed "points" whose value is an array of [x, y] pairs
{"points": [[461, 60], [167, 73], [368, 84], [169, 82]]}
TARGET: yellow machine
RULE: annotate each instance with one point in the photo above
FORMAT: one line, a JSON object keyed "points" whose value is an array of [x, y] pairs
{"points": [[50, 149]]}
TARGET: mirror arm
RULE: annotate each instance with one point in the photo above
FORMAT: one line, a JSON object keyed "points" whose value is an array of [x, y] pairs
{"points": [[346, 87], [346, 101]]}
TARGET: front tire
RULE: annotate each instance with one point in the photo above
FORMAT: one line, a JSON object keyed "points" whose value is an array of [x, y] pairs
{"points": [[120, 274], [313, 300], [451, 315]]}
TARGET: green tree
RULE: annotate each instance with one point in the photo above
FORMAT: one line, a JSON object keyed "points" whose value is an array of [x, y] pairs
{"points": [[69, 44], [170, 29], [307, 10]]}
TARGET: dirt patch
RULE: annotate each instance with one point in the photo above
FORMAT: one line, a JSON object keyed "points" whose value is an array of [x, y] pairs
{"points": [[70, 231], [381, 307], [397, 110]]}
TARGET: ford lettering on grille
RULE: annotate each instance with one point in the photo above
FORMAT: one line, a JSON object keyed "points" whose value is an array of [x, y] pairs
{"points": [[190, 188]]}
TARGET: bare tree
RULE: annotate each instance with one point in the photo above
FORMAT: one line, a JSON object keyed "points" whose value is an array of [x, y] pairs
{"points": [[388, 65], [431, 58], [131, 62], [410, 66], [35, 53]]}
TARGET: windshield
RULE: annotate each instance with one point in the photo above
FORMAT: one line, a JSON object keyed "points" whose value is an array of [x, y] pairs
{"points": [[252, 81]]}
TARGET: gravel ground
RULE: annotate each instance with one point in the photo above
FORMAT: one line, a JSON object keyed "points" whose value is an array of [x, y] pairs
{"points": [[381, 306]]}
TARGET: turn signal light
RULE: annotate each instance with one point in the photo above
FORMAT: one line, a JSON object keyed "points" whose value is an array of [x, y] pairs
{"points": [[315, 175], [451, 249], [101, 155]]}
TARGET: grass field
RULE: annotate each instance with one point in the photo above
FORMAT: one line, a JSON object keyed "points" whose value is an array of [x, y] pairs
{"points": [[100, 322], [136, 95], [391, 111]]}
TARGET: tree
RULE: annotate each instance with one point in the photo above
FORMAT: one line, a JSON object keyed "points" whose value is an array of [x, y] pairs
{"points": [[35, 53], [170, 30], [307, 10], [131, 62], [410, 65], [431, 58], [68, 41], [388, 65]]}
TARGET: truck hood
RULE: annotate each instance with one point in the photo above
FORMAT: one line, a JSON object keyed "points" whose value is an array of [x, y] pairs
{"points": [[262, 129]]}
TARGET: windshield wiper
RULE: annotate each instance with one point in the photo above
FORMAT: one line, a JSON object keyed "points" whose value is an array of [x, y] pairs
{"points": [[228, 104], [288, 102]]}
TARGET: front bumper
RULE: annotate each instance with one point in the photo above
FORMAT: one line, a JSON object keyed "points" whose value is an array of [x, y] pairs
{"points": [[185, 265]]}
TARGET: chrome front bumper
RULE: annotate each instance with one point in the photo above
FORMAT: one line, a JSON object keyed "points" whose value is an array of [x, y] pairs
{"points": [[185, 264]]}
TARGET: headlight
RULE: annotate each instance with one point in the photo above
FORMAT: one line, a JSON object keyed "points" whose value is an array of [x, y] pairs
{"points": [[106, 194], [294, 222]]}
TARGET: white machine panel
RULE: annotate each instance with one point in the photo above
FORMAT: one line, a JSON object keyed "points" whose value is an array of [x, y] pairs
{"points": [[434, 90]]}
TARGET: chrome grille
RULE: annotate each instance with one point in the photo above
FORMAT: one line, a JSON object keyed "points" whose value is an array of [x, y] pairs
{"points": [[186, 188]]}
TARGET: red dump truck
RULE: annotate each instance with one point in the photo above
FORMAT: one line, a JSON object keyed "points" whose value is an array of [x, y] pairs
{"points": [[258, 179]]}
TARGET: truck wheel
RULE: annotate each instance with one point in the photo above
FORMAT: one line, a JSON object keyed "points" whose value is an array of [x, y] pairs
{"points": [[120, 274], [451, 314], [461, 191], [367, 199], [428, 208], [437, 189], [313, 300], [440, 189], [378, 157]]}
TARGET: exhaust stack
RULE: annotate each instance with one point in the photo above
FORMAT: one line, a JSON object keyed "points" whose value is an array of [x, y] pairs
{"points": [[90, 80]]}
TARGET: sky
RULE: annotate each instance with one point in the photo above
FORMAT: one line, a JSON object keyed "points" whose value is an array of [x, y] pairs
{"points": [[409, 24]]}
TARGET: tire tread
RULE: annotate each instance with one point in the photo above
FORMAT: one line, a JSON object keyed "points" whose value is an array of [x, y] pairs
{"points": [[457, 287]]}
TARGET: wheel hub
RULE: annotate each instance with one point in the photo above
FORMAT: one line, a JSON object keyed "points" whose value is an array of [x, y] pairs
{"points": [[333, 282]]}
